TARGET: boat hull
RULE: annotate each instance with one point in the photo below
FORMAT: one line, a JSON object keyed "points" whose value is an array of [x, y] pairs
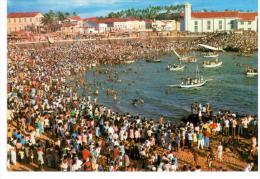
{"points": [[193, 86], [213, 65], [153, 61], [211, 56], [251, 74], [176, 69], [129, 62]]}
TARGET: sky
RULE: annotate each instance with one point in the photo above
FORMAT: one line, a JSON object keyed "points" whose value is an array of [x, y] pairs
{"points": [[91, 8]]}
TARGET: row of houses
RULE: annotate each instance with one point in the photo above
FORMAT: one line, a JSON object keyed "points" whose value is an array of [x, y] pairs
{"points": [[189, 21], [27, 21]]}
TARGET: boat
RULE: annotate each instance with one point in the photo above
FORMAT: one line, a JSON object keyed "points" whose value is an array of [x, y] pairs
{"points": [[211, 48], [211, 55], [189, 59], [153, 60], [175, 67], [129, 61], [212, 64], [251, 71], [198, 81]]}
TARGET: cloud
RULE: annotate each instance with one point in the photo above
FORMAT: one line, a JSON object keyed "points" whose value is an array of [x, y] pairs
{"points": [[90, 2], [94, 13]]}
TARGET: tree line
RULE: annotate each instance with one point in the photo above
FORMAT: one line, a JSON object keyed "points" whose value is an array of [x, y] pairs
{"points": [[51, 16], [151, 12]]}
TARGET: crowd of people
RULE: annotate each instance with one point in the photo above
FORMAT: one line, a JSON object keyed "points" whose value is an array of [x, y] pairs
{"points": [[51, 126]]}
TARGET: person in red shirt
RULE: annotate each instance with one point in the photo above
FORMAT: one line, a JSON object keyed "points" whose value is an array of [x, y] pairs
{"points": [[87, 165], [206, 138], [116, 152], [85, 154]]}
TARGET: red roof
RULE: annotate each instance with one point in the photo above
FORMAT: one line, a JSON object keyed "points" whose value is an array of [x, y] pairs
{"points": [[75, 18], [90, 19], [22, 14], [246, 16], [148, 20], [214, 14], [68, 25]]}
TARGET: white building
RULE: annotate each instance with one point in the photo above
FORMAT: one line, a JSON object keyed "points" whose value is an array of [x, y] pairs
{"points": [[217, 21], [166, 25]]}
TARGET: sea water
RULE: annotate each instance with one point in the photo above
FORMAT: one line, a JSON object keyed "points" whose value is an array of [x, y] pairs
{"points": [[229, 88]]}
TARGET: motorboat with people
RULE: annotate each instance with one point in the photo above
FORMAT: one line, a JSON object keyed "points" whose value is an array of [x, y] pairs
{"points": [[211, 55], [251, 71], [175, 67], [189, 59], [212, 63], [192, 83], [189, 82]]}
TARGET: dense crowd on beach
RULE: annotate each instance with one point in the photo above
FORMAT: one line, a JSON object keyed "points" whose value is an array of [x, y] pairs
{"points": [[51, 126]]}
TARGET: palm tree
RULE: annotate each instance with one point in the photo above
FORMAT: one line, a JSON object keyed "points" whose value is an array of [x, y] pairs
{"points": [[74, 14], [67, 14], [48, 19], [60, 16]]}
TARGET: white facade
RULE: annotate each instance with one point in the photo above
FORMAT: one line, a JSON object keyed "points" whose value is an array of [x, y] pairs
{"points": [[212, 24], [166, 25], [102, 27], [129, 25], [247, 25], [187, 16]]}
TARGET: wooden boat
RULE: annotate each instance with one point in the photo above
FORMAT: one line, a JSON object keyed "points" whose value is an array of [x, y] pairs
{"points": [[129, 61], [185, 59], [251, 71], [192, 83], [211, 48], [153, 60], [175, 67], [211, 55], [212, 64]]}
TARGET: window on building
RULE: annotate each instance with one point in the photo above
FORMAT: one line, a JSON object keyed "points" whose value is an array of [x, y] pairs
{"points": [[249, 28], [8, 20], [232, 24], [208, 25], [242, 22], [24, 19], [30, 19], [196, 26], [249, 22], [220, 25], [20, 19], [14, 20]]}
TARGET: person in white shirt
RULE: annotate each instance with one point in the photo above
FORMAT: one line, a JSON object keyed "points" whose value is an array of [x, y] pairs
{"points": [[220, 151]]}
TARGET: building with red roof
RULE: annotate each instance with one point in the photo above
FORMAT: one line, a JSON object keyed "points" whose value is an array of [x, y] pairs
{"points": [[217, 21], [24, 21]]}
